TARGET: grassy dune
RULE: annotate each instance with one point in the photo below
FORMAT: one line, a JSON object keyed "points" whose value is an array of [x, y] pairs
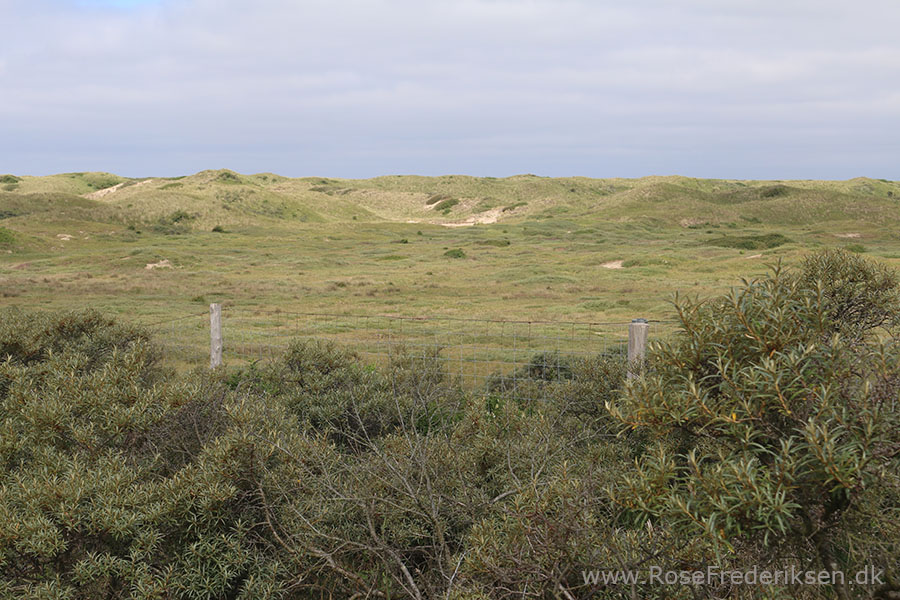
{"points": [[529, 247]]}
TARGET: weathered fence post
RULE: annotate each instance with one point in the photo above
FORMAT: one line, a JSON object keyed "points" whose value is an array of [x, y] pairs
{"points": [[215, 335], [637, 345]]}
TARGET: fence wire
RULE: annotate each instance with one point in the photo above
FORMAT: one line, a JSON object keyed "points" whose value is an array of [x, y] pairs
{"points": [[478, 353]]}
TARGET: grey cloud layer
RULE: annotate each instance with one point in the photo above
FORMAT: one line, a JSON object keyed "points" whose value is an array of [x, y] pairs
{"points": [[491, 87]]}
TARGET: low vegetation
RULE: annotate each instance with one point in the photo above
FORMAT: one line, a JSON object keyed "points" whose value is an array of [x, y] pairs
{"points": [[288, 239], [750, 242], [765, 433]]}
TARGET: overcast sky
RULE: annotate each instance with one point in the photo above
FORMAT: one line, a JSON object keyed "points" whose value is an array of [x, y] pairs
{"points": [[357, 88]]}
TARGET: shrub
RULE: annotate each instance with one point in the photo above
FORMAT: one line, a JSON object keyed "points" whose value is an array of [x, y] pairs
{"points": [[513, 206], [750, 242], [174, 223], [775, 430], [446, 205], [27, 338], [857, 295], [6, 237], [774, 191], [218, 229], [101, 181], [434, 199], [9, 179], [455, 253], [227, 177]]}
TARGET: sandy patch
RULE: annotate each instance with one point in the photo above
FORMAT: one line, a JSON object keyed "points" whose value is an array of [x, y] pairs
{"points": [[847, 235], [111, 190], [104, 192], [485, 218], [613, 264], [163, 264], [754, 256], [64, 236], [692, 222]]}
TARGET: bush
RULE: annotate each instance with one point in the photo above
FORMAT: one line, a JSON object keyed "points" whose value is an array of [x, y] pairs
{"points": [[100, 181], [776, 429], [228, 177], [6, 237], [764, 433], [857, 295], [178, 222], [513, 206], [774, 191], [455, 253], [750, 242], [28, 338], [434, 199], [446, 204], [117, 481]]}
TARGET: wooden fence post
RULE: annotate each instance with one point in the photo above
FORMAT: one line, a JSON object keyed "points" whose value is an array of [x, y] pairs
{"points": [[215, 335], [637, 345]]}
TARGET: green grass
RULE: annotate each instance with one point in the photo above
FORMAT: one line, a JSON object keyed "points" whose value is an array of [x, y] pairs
{"points": [[289, 241]]}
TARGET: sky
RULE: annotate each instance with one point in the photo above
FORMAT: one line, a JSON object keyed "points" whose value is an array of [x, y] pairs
{"points": [[744, 89]]}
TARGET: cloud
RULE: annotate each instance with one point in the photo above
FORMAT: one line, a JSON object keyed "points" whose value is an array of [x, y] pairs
{"points": [[494, 87]]}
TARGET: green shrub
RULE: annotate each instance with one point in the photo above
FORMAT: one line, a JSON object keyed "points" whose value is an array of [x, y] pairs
{"points": [[9, 179], [774, 432], [455, 253], [7, 237], [750, 242], [178, 222], [774, 191], [228, 177], [101, 181], [434, 199], [119, 481], [857, 295], [28, 337], [446, 205], [218, 229], [498, 243], [513, 206]]}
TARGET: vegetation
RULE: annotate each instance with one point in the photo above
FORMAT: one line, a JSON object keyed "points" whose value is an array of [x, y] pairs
{"points": [[289, 239], [447, 204], [764, 433], [750, 242]]}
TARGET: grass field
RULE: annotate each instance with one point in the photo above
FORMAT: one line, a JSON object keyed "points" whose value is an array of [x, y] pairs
{"points": [[519, 247]]}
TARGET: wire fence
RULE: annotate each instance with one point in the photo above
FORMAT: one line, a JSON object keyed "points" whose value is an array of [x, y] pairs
{"points": [[478, 353]]}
